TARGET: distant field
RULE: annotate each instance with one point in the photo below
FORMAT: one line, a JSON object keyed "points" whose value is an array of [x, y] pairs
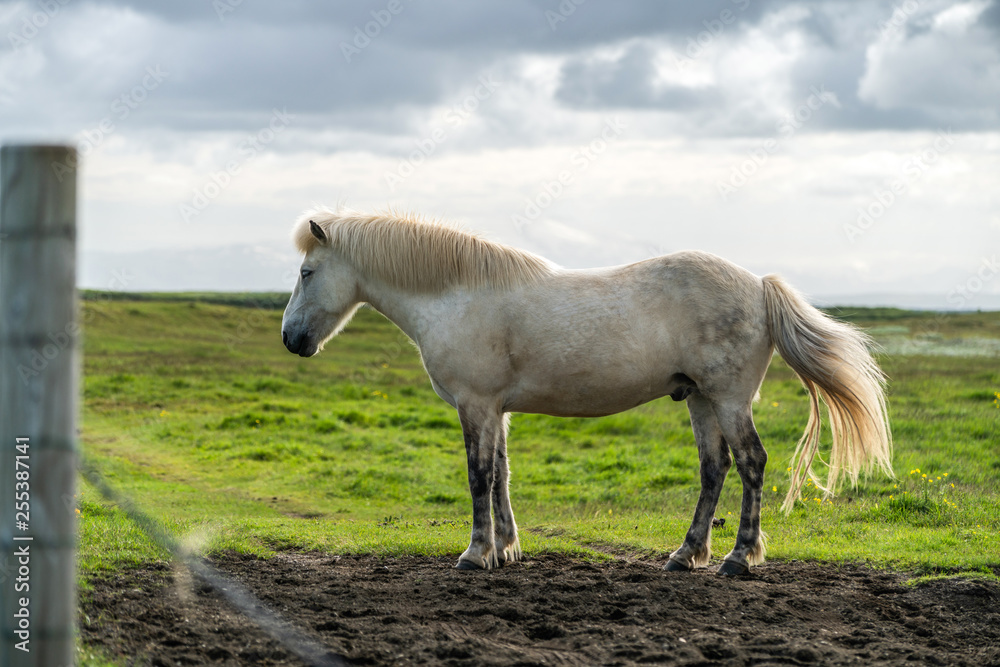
{"points": [[194, 409]]}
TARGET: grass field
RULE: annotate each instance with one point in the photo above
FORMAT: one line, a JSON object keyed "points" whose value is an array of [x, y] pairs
{"points": [[194, 409]]}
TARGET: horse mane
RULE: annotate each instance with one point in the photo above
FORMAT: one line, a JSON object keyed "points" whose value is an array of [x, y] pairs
{"points": [[410, 252]]}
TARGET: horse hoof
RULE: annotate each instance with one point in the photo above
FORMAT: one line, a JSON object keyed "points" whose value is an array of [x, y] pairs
{"points": [[731, 568], [676, 566], [467, 565]]}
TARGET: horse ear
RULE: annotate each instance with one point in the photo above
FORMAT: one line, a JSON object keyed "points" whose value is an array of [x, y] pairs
{"points": [[318, 232]]}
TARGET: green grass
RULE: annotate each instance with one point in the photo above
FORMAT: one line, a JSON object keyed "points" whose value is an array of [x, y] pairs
{"points": [[91, 656], [266, 300], [195, 410], [973, 576]]}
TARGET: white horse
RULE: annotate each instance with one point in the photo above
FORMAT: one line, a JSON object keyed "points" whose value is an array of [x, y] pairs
{"points": [[501, 330]]}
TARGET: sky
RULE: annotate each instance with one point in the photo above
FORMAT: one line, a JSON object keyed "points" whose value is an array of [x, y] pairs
{"points": [[851, 146]]}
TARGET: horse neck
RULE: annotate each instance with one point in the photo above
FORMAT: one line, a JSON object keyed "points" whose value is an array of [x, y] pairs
{"points": [[410, 311]]}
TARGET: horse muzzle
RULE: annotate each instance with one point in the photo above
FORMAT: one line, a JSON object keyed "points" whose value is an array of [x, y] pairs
{"points": [[298, 344]]}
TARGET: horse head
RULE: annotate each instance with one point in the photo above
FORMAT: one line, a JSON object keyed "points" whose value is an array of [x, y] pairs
{"points": [[325, 297]]}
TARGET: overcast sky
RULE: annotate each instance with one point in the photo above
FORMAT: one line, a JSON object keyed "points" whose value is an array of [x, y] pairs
{"points": [[852, 146]]}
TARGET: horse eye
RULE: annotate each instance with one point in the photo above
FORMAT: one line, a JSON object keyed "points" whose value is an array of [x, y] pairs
{"points": [[306, 273]]}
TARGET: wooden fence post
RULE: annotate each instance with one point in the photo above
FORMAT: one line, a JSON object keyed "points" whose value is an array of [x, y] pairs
{"points": [[39, 375]]}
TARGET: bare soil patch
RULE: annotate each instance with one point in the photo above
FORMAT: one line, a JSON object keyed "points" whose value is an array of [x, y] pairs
{"points": [[549, 610]]}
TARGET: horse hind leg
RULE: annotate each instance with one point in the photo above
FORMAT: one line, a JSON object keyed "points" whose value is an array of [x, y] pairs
{"points": [[751, 457], [508, 546], [714, 463]]}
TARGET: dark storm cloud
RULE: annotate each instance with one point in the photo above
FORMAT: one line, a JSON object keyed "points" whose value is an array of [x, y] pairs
{"points": [[991, 16], [837, 67], [956, 84], [538, 25], [373, 66], [626, 82]]}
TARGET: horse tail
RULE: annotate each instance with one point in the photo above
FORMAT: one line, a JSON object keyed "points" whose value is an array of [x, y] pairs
{"points": [[832, 360]]}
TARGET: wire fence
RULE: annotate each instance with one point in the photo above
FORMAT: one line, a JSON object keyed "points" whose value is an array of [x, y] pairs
{"points": [[302, 644], [38, 397]]}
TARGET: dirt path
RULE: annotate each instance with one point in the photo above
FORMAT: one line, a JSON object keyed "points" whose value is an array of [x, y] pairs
{"points": [[550, 610]]}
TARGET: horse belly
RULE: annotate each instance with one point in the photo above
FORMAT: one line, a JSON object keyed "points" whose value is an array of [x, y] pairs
{"points": [[589, 359], [594, 392]]}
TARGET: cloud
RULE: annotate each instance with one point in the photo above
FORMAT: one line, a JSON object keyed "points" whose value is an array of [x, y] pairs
{"points": [[944, 63], [730, 78], [628, 79], [233, 268], [722, 67], [508, 27], [379, 88]]}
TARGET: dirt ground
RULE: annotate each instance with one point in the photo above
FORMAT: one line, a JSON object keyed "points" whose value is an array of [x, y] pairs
{"points": [[549, 610]]}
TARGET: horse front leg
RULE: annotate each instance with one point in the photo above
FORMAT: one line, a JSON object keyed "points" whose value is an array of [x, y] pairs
{"points": [[714, 462], [508, 546], [481, 437]]}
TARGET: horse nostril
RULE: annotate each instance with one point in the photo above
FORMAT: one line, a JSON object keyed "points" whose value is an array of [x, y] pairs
{"points": [[292, 344]]}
